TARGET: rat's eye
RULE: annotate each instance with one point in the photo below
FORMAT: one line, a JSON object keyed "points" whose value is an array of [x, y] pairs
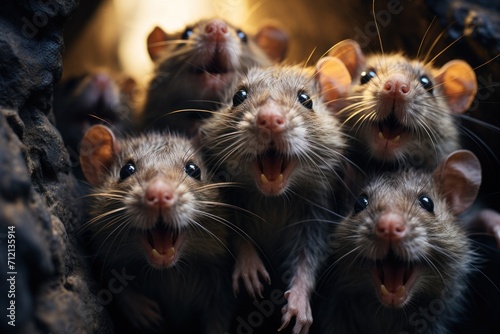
{"points": [[241, 35], [192, 170], [361, 203], [239, 97], [426, 83], [305, 100], [127, 170], [187, 33], [367, 75], [426, 203]]}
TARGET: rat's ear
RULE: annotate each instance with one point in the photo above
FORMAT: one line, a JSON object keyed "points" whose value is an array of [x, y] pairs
{"points": [[459, 178], [334, 80], [459, 84], [156, 42], [273, 41], [349, 52], [98, 150]]}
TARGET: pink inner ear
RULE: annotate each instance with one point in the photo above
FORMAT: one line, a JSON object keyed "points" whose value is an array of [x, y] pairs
{"points": [[459, 178], [459, 85], [155, 43], [349, 52], [334, 79], [273, 41]]}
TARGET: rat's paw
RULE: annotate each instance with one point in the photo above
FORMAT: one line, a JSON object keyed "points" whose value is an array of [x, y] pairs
{"points": [[146, 312], [298, 306], [250, 268], [489, 220]]}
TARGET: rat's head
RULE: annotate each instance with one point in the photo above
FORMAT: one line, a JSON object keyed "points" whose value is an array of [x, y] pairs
{"points": [[402, 241], [399, 108], [151, 199], [278, 132], [211, 52]]}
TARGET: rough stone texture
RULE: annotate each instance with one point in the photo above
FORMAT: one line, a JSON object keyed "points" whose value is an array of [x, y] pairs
{"points": [[38, 194]]}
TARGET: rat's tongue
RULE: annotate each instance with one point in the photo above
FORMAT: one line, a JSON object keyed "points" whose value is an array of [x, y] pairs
{"points": [[271, 167], [390, 127], [393, 277], [162, 242]]}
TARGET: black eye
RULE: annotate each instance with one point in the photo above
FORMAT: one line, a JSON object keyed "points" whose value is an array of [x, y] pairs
{"points": [[187, 33], [426, 203], [305, 100], [242, 36], [127, 170], [192, 170], [361, 203], [367, 76], [239, 97], [426, 83]]}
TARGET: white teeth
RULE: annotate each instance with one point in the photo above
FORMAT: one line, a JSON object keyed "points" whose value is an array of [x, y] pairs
{"points": [[401, 291], [384, 290], [171, 252], [381, 135], [397, 139], [263, 179], [280, 178]]}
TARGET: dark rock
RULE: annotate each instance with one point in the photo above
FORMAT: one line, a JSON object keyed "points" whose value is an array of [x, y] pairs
{"points": [[39, 197]]}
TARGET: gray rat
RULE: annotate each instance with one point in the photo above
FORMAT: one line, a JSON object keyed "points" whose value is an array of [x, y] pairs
{"points": [[401, 258], [280, 142], [155, 216], [194, 68]]}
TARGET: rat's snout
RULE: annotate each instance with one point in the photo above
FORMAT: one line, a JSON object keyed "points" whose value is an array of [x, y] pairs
{"points": [[391, 227], [271, 117], [396, 86], [216, 29], [160, 194]]}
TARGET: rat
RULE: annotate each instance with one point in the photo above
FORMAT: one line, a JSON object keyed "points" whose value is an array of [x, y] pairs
{"points": [[401, 110], [196, 66], [401, 258], [93, 98], [155, 216], [280, 142]]}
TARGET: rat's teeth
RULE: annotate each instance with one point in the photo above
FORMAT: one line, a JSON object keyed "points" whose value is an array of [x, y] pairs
{"points": [[380, 135], [154, 253], [280, 178], [263, 179], [401, 292], [397, 139], [171, 252], [384, 290]]}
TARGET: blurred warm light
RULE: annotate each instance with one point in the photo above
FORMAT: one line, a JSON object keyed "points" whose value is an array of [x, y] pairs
{"points": [[138, 18]]}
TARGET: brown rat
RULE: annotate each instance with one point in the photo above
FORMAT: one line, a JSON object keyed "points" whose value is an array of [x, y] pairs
{"points": [[280, 141], [401, 110], [93, 98], [401, 257], [196, 66], [155, 216]]}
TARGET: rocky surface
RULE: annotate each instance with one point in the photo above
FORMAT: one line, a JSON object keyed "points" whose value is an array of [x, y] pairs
{"points": [[39, 199]]}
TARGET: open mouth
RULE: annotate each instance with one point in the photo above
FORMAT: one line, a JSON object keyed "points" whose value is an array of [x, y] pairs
{"points": [[390, 128], [272, 171], [162, 245], [217, 65], [394, 280]]}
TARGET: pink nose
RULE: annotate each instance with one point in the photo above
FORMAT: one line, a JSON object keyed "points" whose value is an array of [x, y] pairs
{"points": [[396, 86], [271, 119], [159, 194], [216, 28], [391, 227]]}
